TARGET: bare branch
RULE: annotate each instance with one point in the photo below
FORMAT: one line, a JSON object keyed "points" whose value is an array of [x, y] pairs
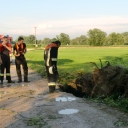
{"points": [[94, 64], [101, 63], [108, 63]]}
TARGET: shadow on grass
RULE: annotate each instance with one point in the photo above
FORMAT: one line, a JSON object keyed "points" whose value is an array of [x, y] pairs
{"points": [[60, 61], [113, 60], [68, 65]]}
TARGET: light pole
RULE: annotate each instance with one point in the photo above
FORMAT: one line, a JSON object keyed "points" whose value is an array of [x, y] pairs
{"points": [[35, 36]]}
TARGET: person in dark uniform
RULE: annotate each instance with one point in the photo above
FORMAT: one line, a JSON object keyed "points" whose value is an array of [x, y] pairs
{"points": [[5, 49], [19, 50], [50, 59]]}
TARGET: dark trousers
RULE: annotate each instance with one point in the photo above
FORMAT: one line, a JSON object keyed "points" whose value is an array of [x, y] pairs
{"points": [[18, 63], [52, 78], [5, 65]]}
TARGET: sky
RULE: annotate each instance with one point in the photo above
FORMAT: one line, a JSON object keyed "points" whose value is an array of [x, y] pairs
{"points": [[52, 17]]}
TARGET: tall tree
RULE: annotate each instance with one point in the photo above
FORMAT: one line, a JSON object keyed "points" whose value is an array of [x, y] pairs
{"points": [[46, 41], [64, 38], [112, 38], [28, 39], [120, 39], [82, 40], [125, 33], [115, 39], [96, 37], [126, 40], [31, 39]]}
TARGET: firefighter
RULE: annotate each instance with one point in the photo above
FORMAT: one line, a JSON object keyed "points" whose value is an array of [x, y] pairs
{"points": [[50, 59], [5, 49], [19, 50]]}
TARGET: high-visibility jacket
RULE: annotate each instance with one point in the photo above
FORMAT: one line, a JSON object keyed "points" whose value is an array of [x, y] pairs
{"points": [[21, 60], [51, 54], [19, 48], [50, 59], [5, 62], [2, 48]]}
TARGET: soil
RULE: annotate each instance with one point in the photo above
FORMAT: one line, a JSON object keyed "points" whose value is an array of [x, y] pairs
{"points": [[23, 104], [107, 81]]}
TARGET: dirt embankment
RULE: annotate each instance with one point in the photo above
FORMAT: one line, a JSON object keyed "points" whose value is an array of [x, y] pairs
{"points": [[105, 81], [30, 104]]}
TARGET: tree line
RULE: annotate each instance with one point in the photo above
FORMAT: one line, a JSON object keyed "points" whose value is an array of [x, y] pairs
{"points": [[94, 37]]}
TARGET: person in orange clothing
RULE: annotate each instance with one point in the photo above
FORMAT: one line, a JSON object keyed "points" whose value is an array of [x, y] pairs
{"points": [[19, 49], [50, 59], [5, 49]]}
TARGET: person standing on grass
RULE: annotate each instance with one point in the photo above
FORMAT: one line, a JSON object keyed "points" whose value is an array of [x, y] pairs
{"points": [[19, 50], [5, 49], [50, 59]]}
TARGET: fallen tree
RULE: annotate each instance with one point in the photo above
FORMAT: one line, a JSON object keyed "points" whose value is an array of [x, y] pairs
{"points": [[106, 81]]}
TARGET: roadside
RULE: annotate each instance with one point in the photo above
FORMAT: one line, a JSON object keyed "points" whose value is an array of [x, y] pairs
{"points": [[23, 104]]}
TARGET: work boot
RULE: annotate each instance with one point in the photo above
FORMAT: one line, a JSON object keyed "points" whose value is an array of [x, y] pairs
{"points": [[26, 81], [10, 81], [19, 81], [1, 81], [51, 89], [1, 86]]}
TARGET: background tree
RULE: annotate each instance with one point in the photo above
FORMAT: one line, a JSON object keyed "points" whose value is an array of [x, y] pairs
{"points": [[64, 38], [111, 39], [82, 40], [96, 37], [28, 39], [119, 39], [46, 41], [74, 42], [31, 39], [126, 40], [115, 39], [125, 35], [40, 43]]}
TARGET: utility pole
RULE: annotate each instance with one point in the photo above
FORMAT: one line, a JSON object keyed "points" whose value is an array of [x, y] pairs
{"points": [[35, 36]]}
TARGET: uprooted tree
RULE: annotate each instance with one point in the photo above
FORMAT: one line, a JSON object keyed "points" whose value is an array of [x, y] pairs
{"points": [[108, 80]]}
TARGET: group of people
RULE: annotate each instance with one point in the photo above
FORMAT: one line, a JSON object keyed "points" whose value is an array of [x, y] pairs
{"points": [[19, 50]]}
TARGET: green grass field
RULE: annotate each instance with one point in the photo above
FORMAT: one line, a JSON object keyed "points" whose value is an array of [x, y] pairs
{"points": [[78, 58]]}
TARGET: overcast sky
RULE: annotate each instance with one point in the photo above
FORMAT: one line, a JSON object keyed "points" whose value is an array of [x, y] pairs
{"points": [[52, 17]]}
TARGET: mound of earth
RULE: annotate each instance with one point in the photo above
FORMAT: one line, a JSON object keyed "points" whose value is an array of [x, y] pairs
{"points": [[105, 81]]}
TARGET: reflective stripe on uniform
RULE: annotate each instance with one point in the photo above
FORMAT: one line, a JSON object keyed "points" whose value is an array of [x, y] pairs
{"points": [[54, 59], [48, 57], [51, 70], [7, 74], [52, 84]]}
